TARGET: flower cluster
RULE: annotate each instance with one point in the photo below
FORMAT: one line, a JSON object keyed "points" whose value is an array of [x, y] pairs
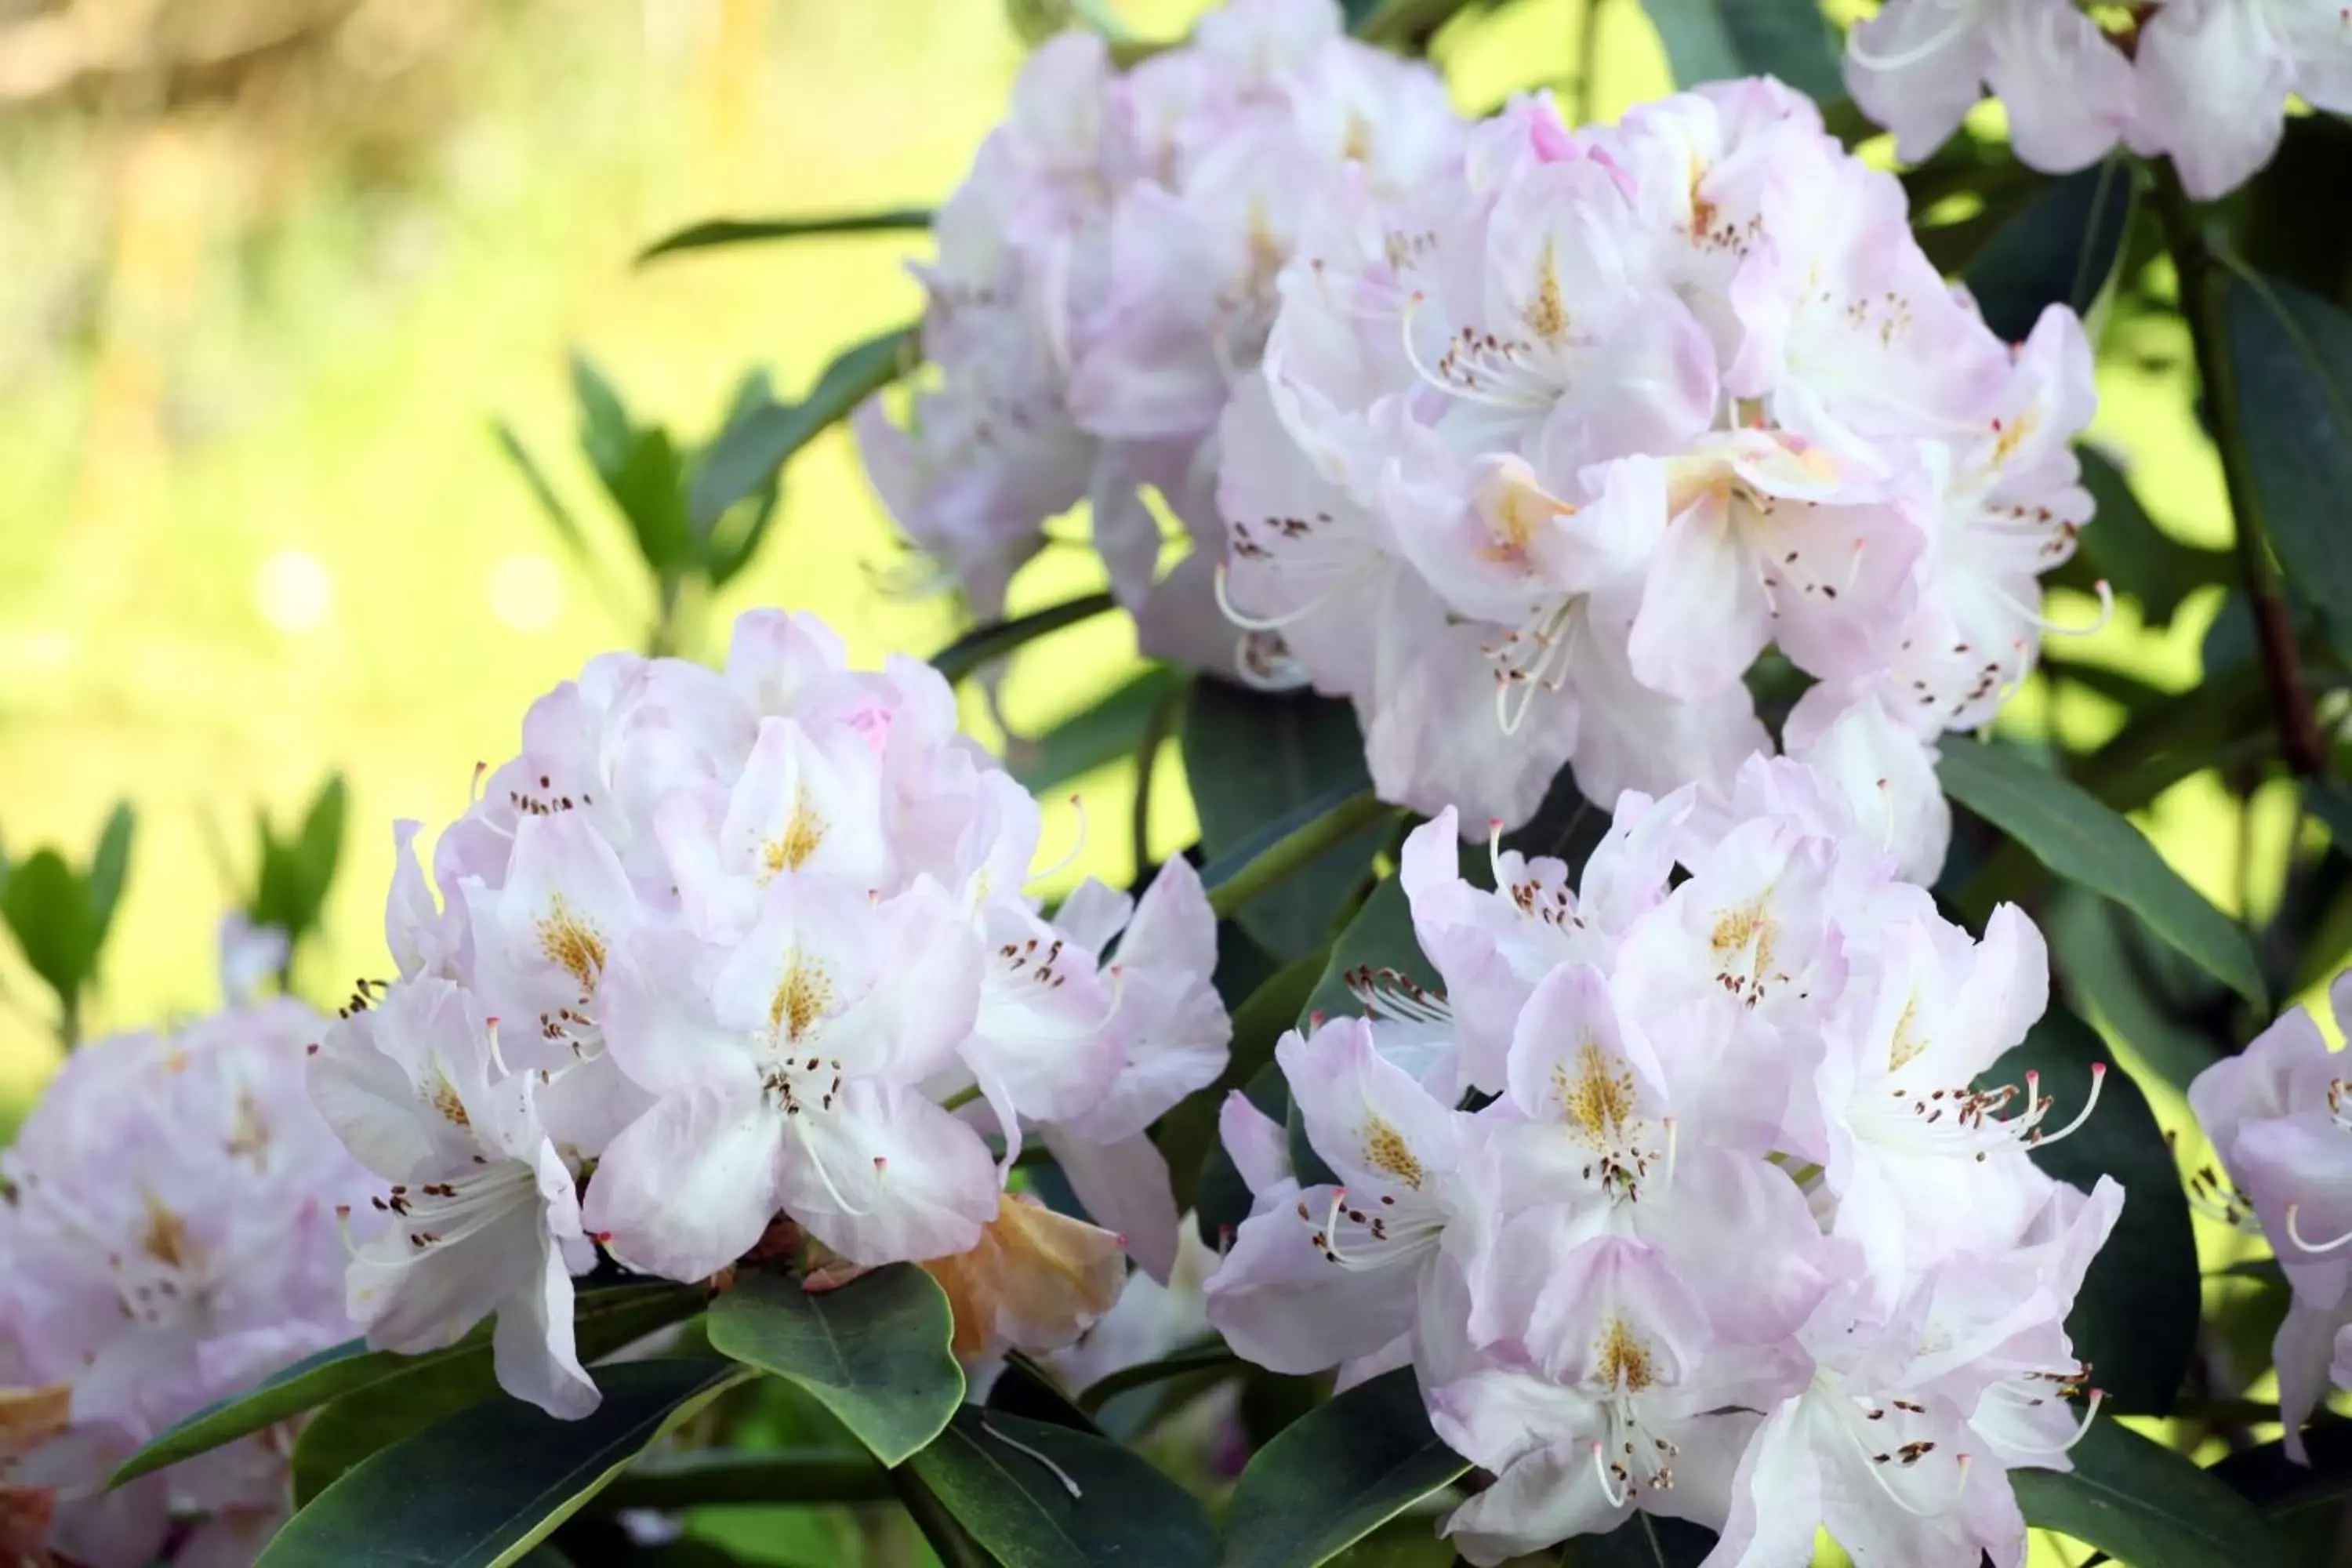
{"points": [[167, 1216], [727, 947], [1734, 1233], [2204, 82], [1104, 274], [2280, 1116], [1546, 452]]}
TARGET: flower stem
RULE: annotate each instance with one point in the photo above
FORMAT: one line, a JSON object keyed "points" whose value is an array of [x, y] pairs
{"points": [[1294, 852], [2203, 280]]}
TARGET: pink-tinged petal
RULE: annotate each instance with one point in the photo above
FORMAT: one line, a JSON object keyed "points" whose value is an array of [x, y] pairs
{"points": [[1918, 68], [1093, 915], [2257, 1084], [657, 1019], [687, 1188], [370, 1102], [1436, 737], [2298, 1162], [1258, 1146], [1285, 1306], [808, 802], [776, 658], [1124, 1188], [1776, 1494], [885, 1176], [2068, 89], [1042, 1033], [2213, 86], [1883, 772], [1538, 1500], [532, 1347], [1704, 614], [1379, 1129]]}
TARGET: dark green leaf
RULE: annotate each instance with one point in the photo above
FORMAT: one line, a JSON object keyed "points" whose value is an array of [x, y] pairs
{"points": [[650, 491], [1645, 1541], [874, 1351], [737, 1476], [1027, 1390], [2071, 832], [558, 516], [434, 1388], [1041, 1496], [2145, 1505], [606, 433], [752, 450], [1566, 826], [2105, 971], [108, 867], [1402, 22], [484, 1487], [2059, 249], [2309, 1507], [1255, 758], [343, 1369], [999, 639], [1716, 40], [2291, 354], [321, 846], [744, 230], [1187, 1133], [2135, 1320], [1335, 1475], [1107, 730], [49, 910]]}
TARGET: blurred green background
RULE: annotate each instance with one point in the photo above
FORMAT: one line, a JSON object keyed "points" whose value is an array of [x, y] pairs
{"points": [[268, 268]]}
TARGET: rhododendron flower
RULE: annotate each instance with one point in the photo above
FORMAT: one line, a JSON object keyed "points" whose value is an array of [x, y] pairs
{"points": [[723, 948], [1729, 1229], [2281, 1119], [1035, 1281], [167, 1213]]}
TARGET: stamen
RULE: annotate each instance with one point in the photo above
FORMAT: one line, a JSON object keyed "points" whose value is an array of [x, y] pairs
{"points": [[1079, 804], [1494, 849], [2106, 611], [2090, 1102], [2294, 1234], [1963, 19], [1272, 623], [1615, 1494], [817, 1159]]}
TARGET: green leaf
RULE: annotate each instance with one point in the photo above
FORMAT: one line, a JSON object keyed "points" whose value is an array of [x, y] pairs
{"points": [[1188, 1133], [2291, 355], [2059, 249], [1645, 1541], [2076, 836], [1221, 1199], [752, 450], [1716, 40], [700, 1476], [747, 230], [1041, 1496], [1335, 1475], [482, 1487], [2103, 968], [1000, 638], [2145, 1505], [2307, 1505], [650, 491], [1107, 730], [1255, 759], [558, 516], [434, 1388], [108, 867], [875, 1351], [606, 433], [319, 849], [49, 910], [2135, 1319], [1027, 1390], [343, 1369]]}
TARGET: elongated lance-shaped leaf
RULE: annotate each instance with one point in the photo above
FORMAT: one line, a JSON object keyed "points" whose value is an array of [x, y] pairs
{"points": [[1645, 1541], [1187, 1135], [999, 639], [342, 1369], [1043, 1496], [874, 1351], [430, 1390], [698, 1476], [752, 449], [2077, 837], [1107, 730], [2141, 1503], [483, 1487], [2060, 248], [720, 231], [1335, 1475], [109, 864], [1718, 40]]}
